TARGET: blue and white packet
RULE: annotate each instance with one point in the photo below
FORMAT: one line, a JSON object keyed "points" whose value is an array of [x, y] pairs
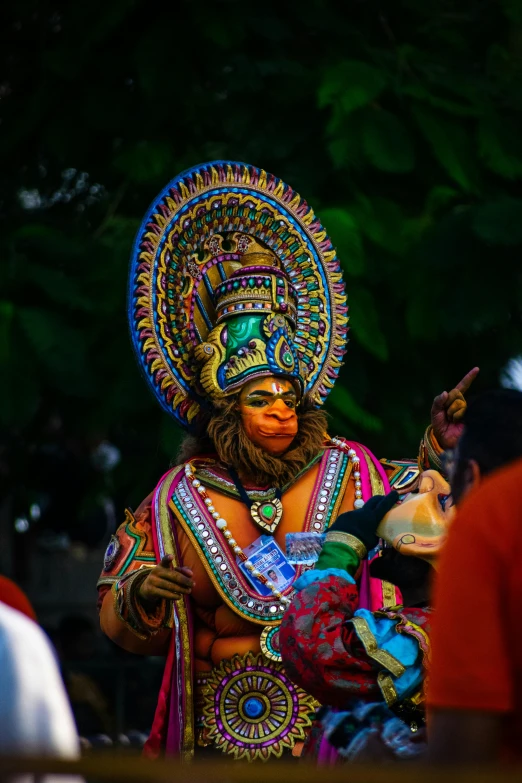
{"points": [[270, 561]]}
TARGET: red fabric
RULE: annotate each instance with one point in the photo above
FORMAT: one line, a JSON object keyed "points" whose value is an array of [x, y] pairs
{"points": [[155, 744], [477, 634], [322, 653], [14, 597]]}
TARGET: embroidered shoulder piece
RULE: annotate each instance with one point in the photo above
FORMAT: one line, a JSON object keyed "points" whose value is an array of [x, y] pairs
{"points": [[403, 475], [129, 548], [129, 555]]}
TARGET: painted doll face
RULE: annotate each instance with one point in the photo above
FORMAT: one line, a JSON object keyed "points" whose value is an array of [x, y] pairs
{"points": [[268, 412], [419, 525]]}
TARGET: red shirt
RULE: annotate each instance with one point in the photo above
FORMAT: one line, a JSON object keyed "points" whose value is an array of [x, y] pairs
{"points": [[477, 628]]}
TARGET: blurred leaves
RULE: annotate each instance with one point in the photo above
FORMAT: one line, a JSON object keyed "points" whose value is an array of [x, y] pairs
{"points": [[499, 222], [346, 237], [402, 128], [387, 143], [345, 408], [144, 161], [364, 313], [351, 84], [451, 146], [500, 145]]}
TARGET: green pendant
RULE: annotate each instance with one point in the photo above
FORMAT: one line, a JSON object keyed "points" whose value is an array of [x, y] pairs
{"points": [[267, 514], [268, 511]]}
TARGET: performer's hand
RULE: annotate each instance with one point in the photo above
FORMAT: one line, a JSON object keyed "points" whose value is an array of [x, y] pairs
{"points": [[164, 581], [447, 412], [364, 522]]}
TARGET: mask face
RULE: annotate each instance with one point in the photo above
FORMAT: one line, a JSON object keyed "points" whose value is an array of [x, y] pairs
{"points": [[419, 525], [268, 412]]}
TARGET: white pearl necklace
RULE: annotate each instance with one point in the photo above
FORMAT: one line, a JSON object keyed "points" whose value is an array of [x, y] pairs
{"points": [[356, 462], [234, 546], [222, 524]]}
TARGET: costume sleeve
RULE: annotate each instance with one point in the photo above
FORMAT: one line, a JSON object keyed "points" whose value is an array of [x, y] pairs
{"points": [[430, 453], [321, 652], [404, 474], [128, 557], [471, 666], [333, 649]]}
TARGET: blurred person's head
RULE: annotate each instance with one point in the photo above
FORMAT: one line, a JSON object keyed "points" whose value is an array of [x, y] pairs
{"points": [[13, 596], [491, 439], [416, 530]]}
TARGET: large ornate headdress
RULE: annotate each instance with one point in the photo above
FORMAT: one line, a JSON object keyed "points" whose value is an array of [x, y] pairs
{"points": [[232, 278]]}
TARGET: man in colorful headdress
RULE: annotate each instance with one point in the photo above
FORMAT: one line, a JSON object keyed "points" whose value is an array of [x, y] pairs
{"points": [[239, 321]]}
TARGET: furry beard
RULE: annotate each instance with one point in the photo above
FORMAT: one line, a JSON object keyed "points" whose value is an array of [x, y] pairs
{"points": [[225, 436]]}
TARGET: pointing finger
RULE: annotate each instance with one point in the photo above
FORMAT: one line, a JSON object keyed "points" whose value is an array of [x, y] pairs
{"points": [[468, 379]]}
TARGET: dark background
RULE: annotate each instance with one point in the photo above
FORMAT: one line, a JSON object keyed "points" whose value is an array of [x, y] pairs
{"points": [[399, 122]]}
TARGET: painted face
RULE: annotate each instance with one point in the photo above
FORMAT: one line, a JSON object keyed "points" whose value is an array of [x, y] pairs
{"points": [[419, 525], [268, 412]]}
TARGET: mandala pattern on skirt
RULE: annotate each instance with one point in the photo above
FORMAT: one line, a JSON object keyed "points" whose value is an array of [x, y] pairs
{"points": [[253, 711]]}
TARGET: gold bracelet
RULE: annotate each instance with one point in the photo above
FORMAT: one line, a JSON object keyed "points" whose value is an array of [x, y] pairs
{"points": [[434, 458], [338, 537]]}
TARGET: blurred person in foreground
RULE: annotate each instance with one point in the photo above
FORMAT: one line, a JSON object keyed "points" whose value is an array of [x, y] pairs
{"points": [[14, 596], [369, 667], [475, 688], [35, 716]]}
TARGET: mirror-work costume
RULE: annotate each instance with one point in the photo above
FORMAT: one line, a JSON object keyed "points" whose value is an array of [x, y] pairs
{"points": [[232, 278]]}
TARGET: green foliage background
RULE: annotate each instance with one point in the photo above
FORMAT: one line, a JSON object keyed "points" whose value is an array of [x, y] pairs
{"points": [[399, 122]]}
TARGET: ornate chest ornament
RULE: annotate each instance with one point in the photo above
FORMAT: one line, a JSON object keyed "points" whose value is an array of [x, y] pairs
{"points": [[253, 711]]}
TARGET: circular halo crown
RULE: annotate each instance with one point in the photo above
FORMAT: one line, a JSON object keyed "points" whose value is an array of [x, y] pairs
{"points": [[183, 253]]}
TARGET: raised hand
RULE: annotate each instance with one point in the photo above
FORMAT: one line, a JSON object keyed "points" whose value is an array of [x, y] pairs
{"points": [[164, 581], [447, 412]]}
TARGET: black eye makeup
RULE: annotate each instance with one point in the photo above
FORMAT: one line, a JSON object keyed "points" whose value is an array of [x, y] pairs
{"points": [[445, 500]]}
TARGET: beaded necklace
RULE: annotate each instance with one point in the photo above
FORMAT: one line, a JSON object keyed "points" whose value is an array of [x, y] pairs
{"points": [[222, 524]]}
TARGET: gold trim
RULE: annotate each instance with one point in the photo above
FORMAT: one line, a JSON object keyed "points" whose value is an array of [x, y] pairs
{"points": [[187, 745], [389, 595], [268, 527], [332, 330], [340, 537], [387, 687], [369, 641], [265, 649], [375, 479], [236, 734], [206, 565]]}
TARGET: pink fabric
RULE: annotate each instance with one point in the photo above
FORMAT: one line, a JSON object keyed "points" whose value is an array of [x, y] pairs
{"points": [[327, 755], [370, 589], [169, 718]]}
